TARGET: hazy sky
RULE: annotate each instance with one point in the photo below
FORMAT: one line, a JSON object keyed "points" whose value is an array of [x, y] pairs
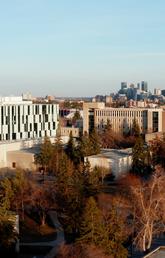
{"points": [[80, 47]]}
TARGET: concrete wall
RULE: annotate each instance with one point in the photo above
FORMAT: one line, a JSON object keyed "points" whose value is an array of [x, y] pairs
{"points": [[14, 146], [151, 136], [163, 121], [99, 162], [65, 131], [118, 166], [21, 159], [86, 107]]}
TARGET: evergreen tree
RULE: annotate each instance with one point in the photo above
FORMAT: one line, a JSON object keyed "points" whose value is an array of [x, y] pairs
{"points": [[57, 153], [20, 188], [92, 179], [95, 143], [76, 116], [7, 233], [135, 128], [138, 156], [44, 156], [116, 232], [70, 148], [106, 232], [108, 136], [92, 230], [83, 148], [157, 148], [108, 126], [6, 194]]}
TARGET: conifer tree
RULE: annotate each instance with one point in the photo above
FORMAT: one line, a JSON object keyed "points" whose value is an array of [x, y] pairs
{"points": [[94, 142], [83, 148], [135, 128], [70, 148], [44, 156], [106, 232], [92, 230], [6, 196], [116, 233], [138, 156]]}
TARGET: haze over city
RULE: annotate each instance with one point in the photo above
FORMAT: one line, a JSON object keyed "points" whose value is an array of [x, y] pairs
{"points": [[80, 48]]}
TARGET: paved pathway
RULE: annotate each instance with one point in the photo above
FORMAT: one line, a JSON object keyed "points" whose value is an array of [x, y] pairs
{"points": [[55, 243], [160, 241]]}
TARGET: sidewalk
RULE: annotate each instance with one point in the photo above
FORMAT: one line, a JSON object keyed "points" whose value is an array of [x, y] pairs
{"points": [[55, 243]]}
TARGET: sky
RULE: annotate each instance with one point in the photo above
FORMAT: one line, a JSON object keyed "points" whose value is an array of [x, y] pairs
{"points": [[80, 48]]}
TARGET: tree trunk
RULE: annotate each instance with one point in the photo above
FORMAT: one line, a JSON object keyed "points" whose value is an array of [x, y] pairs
{"points": [[23, 209], [150, 237], [43, 219], [144, 241]]}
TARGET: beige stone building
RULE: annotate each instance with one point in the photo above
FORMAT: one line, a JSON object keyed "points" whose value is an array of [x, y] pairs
{"points": [[96, 116]]}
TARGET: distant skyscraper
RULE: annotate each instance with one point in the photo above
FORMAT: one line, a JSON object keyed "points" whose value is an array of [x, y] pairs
{"points": [[144, 86], [163, 92], [132, 86], [138, 86], [123, 85], [157, 92]]}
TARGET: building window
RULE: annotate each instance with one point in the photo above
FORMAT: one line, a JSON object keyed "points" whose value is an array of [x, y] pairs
{"points": [[46, 118], [13, 164], [13, 136], [155, 119]]}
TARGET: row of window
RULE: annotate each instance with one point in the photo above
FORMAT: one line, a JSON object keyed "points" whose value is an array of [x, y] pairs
{"points": [[16, 136], [120, 113], [5, 120], [29, 109]]}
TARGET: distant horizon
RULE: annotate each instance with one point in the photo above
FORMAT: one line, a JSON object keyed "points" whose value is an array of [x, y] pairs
{"points": [[80, 96], [80, 48]]}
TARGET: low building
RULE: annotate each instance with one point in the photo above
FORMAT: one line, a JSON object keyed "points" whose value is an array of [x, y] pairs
{"points": [[116, 161], [22, 158]]}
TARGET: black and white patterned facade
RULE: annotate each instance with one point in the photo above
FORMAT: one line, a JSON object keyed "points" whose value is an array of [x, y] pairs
{"points": [[22, 120]]}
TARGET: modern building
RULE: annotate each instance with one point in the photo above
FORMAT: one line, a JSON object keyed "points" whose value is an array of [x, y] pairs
{"points": [[138, 86], [123, 85], [144, 86], [121, 119], [157, 92], [22, 120], [24, 125], [163, 92], [117, 162]]}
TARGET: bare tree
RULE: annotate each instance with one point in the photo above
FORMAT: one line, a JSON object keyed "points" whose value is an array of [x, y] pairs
{"points": [[148, 209]]}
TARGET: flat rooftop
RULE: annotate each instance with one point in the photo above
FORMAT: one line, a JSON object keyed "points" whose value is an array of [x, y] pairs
{"points": [[33, 150], [13, 100], [113, 153]]}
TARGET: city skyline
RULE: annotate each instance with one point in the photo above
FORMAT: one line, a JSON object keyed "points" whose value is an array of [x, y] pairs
{"points": [[80, 48]]}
